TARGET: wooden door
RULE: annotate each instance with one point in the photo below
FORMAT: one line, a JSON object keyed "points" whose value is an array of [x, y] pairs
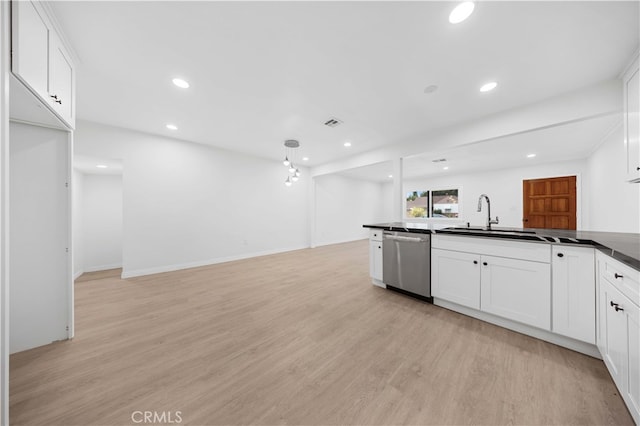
{"points": [[549, 203]]}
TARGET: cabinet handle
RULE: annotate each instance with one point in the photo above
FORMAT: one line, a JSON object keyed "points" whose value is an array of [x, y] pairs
{"points": [[618, 308], [475, 262], [638, 169], [560, 255], [617, 275], [485, 263], [55, 99]]}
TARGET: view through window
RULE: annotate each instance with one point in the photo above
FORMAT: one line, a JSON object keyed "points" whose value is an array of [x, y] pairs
{"points": [[434, 203]]}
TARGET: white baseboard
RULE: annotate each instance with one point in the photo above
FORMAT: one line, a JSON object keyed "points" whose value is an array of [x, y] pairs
{"points": [[348, 240], [556, 339], [77, 274], [103, 267], [180, 266]]}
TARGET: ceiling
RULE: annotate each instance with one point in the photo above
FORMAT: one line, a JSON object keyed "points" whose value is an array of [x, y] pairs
{"points": [[561, 143], [263, 72], [97, 166]]}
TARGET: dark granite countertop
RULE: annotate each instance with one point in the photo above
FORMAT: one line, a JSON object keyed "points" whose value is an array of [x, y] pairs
{"points": [[624, 247]]}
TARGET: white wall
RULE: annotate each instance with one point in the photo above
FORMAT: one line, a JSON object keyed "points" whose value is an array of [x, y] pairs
{"points": [[343, 205], [614, 203], [77, 186], [187, 204], [102, 222], [504, 188]]}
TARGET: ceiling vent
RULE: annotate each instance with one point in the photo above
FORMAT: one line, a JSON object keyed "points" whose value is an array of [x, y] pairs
{"points": [[333, 122], [439, 160]]}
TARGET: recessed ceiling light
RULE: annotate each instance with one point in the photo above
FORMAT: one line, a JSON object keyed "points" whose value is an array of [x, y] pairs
{"points": [[530, 155], [101, 166], [305, 158], [347, 144], [489, 86], [183, 84], [390, 176], [445, 168], [172, 127], [461, 12]]}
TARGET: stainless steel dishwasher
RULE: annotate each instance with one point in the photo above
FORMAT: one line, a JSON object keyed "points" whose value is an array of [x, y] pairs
{"points": [[406, 262]]}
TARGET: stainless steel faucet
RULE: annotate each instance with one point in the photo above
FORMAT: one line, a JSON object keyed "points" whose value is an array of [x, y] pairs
{"points": [[489, 220]]}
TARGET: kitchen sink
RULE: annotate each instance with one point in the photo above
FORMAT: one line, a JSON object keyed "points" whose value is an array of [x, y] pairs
{"points": [[492, 230]]}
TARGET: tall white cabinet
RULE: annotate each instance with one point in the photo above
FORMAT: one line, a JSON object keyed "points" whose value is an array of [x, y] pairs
{"points": [[631, 116], [40, 298], [618, 329], [42, 114], [40, 59]]}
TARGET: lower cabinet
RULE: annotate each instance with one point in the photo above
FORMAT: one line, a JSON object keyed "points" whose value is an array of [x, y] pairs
{"points": [[455, 276], [375, 259], [619, 329], [517, 289], [375, 256], [513, 288], [574, 292]]}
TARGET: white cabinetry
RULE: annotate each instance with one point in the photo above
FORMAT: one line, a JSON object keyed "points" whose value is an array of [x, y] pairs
{"points": [[375, 256], [516, 289], [631, 81], [455, 276], [40, 60], [574, 292], [506, 278], [619, 328]]}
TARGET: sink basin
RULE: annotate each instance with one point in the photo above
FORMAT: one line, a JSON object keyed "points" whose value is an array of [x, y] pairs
{"points": [[492, 230]]}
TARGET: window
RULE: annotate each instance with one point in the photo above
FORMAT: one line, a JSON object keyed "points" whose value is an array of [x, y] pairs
{"points": [[441, 203]]}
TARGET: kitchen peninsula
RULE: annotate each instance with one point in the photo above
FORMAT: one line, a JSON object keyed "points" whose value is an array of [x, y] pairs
{"points": [[577, 289]]}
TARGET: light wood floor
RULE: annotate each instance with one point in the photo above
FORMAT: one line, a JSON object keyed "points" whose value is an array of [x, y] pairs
{"points": [[297, 338]]}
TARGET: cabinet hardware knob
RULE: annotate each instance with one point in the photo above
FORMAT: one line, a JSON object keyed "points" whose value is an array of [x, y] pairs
{"points": [[617, 275], [560, 255], [475, 262], [525, 220], [618, 308], [485, 263], [379, 246], [638, 168]]}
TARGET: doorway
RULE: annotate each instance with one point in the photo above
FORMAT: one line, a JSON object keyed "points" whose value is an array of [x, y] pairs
{"points": [[549, 203]]}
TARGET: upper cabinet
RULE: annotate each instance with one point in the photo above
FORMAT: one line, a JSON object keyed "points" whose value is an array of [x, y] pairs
{"points": [[40, 60], [631, 81]]}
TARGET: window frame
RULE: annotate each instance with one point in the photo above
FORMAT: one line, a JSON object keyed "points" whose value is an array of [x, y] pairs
{"points": [[430, 191]]}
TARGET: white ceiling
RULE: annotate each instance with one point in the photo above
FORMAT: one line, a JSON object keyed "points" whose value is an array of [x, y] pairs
{"points": [[262, 72], [89, 165]]}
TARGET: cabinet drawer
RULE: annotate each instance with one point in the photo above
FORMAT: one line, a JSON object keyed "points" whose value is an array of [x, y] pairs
{"points": [[514, 249], [623, 277], [375, 234]]}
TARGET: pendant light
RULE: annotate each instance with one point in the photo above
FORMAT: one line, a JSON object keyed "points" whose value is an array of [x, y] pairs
{"points": [[290, 146]]}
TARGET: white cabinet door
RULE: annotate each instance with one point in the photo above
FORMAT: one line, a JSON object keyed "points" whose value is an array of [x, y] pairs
{"points": [[41, 302], [517, 289], [614, 333], [30, 46], [375, 259], [632, 121], [455, 277], [574, 292], [61, 80], [632, 391]]}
